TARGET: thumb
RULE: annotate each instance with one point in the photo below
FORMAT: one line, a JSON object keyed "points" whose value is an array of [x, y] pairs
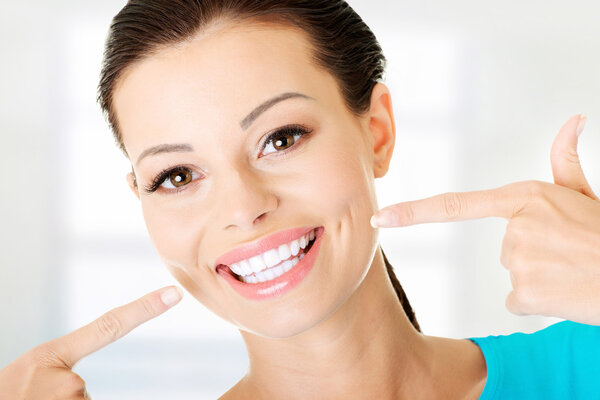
{"points": [[566, 168]]}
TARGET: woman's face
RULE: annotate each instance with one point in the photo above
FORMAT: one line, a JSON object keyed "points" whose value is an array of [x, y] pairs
{"points": [[230, 189]]}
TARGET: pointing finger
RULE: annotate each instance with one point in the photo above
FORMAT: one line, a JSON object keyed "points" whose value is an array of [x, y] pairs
{"points": [[566, 168], [500, 202], [112, 326]]}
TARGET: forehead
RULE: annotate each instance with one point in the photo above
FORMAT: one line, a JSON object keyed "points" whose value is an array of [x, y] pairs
{"points": [[217, 77]]}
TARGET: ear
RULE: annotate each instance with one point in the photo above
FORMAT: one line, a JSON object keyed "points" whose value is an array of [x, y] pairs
{"points": [[382, 129], [132, 184]]}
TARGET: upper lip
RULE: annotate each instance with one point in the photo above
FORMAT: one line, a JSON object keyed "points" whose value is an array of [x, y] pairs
{"points": [[259, 246]]}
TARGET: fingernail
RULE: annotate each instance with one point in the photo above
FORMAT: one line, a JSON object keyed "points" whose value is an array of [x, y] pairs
{"points": [[581, 125], [382, 219], [374, 221], [171, 296]]}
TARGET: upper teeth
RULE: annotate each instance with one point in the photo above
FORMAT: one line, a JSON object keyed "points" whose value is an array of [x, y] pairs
{"points": [[271, 257]]}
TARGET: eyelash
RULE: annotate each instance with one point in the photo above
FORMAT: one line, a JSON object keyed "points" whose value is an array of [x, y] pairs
{"points": [[291, 130], [163, 176], [295, 130]]}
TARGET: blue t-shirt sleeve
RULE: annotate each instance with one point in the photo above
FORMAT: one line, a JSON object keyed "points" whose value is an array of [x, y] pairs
{"points": [[561, 361]]}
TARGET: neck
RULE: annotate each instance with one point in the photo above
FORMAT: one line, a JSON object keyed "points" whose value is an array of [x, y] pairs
{"points": [[366, 349]]}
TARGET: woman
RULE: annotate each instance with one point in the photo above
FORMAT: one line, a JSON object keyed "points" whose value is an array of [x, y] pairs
{"points": [[255, 130]]}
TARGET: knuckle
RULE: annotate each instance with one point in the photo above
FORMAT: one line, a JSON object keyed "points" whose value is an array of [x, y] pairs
{"points": [[571, 156], [109, 326], [515, 260], [45, 357], [564, 153], [535, 189], [511, 303], [75, 382], [451, 205], [538, 194], [149, 307], [524, 299], [515, 229]]}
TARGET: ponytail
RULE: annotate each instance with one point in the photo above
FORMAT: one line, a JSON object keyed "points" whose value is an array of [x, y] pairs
{"points": [[400, 292]]}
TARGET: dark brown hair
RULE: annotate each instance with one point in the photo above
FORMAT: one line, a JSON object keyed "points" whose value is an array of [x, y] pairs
{"points": [[342, 44]]}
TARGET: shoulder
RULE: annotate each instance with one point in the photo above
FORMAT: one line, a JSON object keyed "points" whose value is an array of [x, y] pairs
{"points": [[236, 392], [565, 338], [560, 361]]}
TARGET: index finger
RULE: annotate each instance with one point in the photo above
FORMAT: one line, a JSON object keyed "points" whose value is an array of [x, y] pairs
{"points": [[503, 202], [111, 326]]}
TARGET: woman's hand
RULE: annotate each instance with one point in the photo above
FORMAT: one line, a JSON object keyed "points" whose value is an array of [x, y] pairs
{"points": [[552, 241], [44, 372]]}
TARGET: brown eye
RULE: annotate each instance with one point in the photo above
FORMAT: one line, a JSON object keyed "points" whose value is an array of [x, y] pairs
{"points": [[283, 141], [180, 178], [173, 178]]}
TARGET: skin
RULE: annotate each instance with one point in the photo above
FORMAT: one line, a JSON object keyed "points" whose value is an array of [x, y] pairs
{"points": [[322, 181], [324, 326], [342, 332]]}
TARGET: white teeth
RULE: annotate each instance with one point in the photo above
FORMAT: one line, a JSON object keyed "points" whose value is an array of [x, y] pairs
{"points": [[272, 263], [287, 265], [245, 265], [236, 268], [278, 270], [271, 258], [272, 273], [263, 276], [303, 242], [295, 247], [284, 252], [269, 274], [257, 263]]}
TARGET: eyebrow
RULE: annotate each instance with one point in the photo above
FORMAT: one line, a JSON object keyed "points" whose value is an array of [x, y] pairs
{"points": [[246, 122], [165, 148]]}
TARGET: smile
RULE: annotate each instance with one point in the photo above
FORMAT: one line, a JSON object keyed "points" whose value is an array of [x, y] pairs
{"points": [[274, 262], [273, 265]]}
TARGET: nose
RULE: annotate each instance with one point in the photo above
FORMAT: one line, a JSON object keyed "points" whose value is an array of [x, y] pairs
{"points": [[244, 199]]}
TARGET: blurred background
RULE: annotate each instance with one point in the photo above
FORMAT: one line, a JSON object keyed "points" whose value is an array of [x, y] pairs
{"points": [[480, 89]]}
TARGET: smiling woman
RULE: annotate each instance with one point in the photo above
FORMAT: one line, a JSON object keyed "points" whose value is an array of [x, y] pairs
{"points": [[269, 162], [255, 130], [205, 43]]}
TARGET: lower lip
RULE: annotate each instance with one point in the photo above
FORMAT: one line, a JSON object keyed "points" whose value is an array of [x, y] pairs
{"points": [[280, 285]]}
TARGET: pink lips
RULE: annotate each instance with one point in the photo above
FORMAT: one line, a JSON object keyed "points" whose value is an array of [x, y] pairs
{"points": [[279, 285]]}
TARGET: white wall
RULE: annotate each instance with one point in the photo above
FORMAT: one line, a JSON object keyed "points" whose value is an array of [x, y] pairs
{"points": [[479, 90]]}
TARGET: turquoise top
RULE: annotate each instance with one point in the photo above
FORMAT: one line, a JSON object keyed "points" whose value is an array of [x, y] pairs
{"points": [[561, 361]]}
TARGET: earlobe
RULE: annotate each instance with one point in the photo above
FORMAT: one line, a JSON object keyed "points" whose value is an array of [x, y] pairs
{"points": [[131, 181], [382, 128]]}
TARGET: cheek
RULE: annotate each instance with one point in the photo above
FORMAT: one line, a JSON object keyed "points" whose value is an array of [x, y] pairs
{"points": [[176, 234], [343, 183], [343, 193], [173, 231]]}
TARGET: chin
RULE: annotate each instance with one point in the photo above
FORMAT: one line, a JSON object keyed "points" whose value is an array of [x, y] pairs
{"points": [[304, 316]]}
